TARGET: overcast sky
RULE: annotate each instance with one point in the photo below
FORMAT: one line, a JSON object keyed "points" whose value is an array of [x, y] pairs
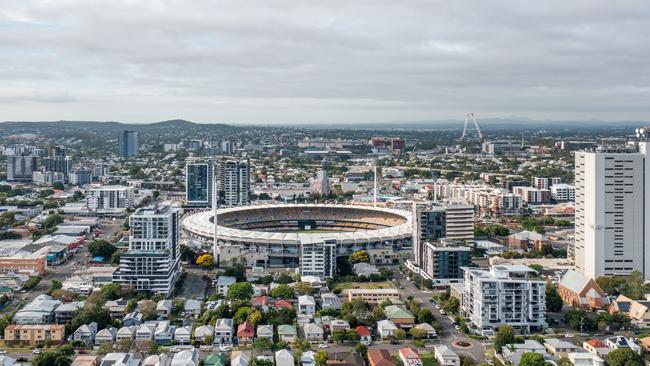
{"points": [[299, 61]]}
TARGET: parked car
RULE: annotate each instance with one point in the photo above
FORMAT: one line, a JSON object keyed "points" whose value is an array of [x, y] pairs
{"points": [[323, 345], [36, 351]]}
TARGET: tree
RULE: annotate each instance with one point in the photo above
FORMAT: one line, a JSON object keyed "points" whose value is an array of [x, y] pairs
{"points": [[148, 309], [284, 279], [378, 313], [611, 284], [240, 291], [304, 288], [101, 248], [262, 344], [359, 256], [187, 254], [418, 333], [283, 292], [553, 300], [66, 349], [399, 334], [537, 268], [321, 357], [338, 336], [425, 316], [452, 305], [623, 357], [241, 315], [111, 291], [56, 284], [580, 320], [115, 258], [205, 260], [505, 335], [255, 317], [564, 362], [531, 359], [634, 286]]}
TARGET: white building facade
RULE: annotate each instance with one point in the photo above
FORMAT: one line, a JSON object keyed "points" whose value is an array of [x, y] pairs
{"points": [[110, 197]]}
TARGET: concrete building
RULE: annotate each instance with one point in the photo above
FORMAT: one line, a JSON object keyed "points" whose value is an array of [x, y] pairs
{"points": [[320, 186], [611, 222], [34, 334], [504, 295], [443, 263], [128, 144], [563, 192], [545, 182], [372, 296], [152, 261], [318, 259], [110, 197], [21, 168], [199, 178], [459, 221], [234, 181]]}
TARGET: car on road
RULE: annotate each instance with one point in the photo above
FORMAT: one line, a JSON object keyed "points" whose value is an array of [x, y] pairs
{"points": [[224, 349], [569, 335], [3, 352], [174, 349], [457, 327], [323, 345], [437, 306], [206, 348], [366, 343], [442, 312], [394, 341], [36, 351]]}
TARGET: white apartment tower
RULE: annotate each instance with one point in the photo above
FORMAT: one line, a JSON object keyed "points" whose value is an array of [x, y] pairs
{"points": [[234, 180], [504, 295], [110, 197], [612, 191], [152, 262], [459, 221], [318, 259]]}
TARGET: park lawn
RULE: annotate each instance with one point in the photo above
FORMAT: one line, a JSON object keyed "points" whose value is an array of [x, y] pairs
{"points": [[364, 285], [427, 359]]}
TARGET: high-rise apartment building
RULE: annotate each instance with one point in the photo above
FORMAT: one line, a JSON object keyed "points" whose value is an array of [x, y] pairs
{"points": [[21, 167], [318, 259], [545, 182], [127, 144], [459, 221], [152, 262], [199, 178], [57, 161], [612, 192], [443, 263], [504, 295], [320, 186], [110, 197], [234, 182]]}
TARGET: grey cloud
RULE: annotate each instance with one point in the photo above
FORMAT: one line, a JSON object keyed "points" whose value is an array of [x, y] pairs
{"points": [[292, 60]]}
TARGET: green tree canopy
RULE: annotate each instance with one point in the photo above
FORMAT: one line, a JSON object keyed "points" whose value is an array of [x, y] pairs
{"points": [[553, 300], [505, 335], [240, 291], [623, 357], [532, 359], [283, 292], [101, 248]]}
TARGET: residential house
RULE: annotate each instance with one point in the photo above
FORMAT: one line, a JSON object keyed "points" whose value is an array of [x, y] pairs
{"points": [[287, 333], [33, 334], [364, 333], [308, 358], [38, 311], [223, 283], [260, 289], [164, 308], [106, 335], [283, 358], [223, 332], [636, 310], [215, 359], [261, 302], [265, 331], [117, 308], [645, 343], [410, 357], [85, 333], [446, 356], [431, 331], [379, 357], [64, 313], [585, 359], [283, 304], [399, 315], [339, 324], [81, 360], [245, 333], [330, 301], [580, 291], [188, 357], [183, 335], [622, 342], [203, 331], [157, 360], [313, 332], [596, 347], [512, 352], [560, 348], [239, 359], [192, 307], [133, 318], [145, 332], [125, 333], [345, 359], [120, 359], [164, 332], [386, 328], [306, 304]]}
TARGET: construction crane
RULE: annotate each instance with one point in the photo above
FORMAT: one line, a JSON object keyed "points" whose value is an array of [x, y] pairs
{"points": [[469, 116]]}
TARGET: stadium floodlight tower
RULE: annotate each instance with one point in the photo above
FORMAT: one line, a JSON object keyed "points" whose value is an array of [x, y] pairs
{"points": [[468, 117], [215, 203]]}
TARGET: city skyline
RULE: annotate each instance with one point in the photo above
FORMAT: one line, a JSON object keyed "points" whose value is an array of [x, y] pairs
{"points": [[262, 63]]}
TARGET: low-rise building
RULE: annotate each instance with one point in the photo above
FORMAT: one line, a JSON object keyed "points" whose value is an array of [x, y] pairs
{"points": [[313, 332], [379, 357], [619, 342], [265, 331], [580, 291], [372, 296], [223, 331], [287, 333], [32, 334], [410, 357], [446, 356], [636, 310], [224, 283], [399, 315], [585, 359], [560, 348], [306, 304], [386, 328]]}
